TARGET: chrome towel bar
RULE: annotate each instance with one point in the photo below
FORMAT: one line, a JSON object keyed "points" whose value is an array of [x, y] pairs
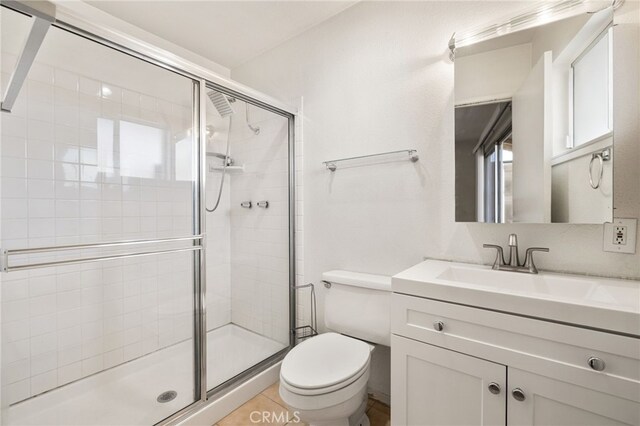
{"points": [[412, 155], [14, 252]]}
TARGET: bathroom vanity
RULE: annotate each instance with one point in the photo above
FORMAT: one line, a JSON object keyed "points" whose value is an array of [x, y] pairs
{"points": [[474, 346]]}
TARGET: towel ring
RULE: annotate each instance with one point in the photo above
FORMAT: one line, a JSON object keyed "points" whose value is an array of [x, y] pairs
{"points": [[602, 157], [593, 157]]}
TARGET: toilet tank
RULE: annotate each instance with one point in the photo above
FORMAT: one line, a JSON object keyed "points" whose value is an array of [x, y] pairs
{"points": [[358, 305]]}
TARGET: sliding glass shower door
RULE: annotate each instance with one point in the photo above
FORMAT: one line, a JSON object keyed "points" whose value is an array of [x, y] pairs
{"points": [[100, 214], [248, 258]]}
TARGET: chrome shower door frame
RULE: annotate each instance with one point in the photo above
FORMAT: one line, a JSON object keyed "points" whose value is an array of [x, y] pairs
{"points": [[214, 393], [74, 23]]}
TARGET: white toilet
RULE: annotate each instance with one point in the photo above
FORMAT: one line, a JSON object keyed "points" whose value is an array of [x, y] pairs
{"points": [[324, 378]]}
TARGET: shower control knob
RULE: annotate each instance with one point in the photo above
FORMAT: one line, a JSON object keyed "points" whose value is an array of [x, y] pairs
{"points": [[596, 363], [246, 204], [494, 388], [438, 326], [263, 204]]}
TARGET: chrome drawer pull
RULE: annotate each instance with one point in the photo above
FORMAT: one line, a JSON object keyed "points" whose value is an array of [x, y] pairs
{"points": [[518, 394], [494, 388], [596, 363], [438, 325]]}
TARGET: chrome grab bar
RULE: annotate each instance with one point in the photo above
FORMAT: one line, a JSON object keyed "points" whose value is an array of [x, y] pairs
{"points": [[12, 252]]}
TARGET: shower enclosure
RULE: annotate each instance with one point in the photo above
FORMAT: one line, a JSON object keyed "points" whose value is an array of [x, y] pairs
{"points": [[123, 300]]}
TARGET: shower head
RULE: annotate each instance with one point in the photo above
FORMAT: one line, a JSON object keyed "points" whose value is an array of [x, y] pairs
{"points": [[221, 103]]}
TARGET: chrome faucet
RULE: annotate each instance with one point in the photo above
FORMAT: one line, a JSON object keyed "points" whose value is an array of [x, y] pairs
{"points": [[513, 264], [514, 258]]}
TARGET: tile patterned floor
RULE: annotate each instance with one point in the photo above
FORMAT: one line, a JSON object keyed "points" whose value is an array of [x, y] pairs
{"points": [[276, 413]]}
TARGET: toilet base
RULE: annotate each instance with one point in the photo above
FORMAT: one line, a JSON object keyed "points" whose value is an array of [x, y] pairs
{"points": [[364, 421], [359, 418]]}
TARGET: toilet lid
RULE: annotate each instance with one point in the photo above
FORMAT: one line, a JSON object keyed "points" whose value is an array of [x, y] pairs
{"points": [[324, 360]]}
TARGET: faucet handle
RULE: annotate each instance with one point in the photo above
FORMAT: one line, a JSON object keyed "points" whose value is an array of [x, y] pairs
{"points": [[513, 240], [528, 260], [499, 255]]}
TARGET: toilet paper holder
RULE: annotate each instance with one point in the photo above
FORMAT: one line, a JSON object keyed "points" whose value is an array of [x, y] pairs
{"points": [[305, 331]]}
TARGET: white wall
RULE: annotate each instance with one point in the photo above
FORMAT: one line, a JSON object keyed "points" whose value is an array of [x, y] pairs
{"points": [[492, 75], [573, 198], [377, 77], [532, 117]]}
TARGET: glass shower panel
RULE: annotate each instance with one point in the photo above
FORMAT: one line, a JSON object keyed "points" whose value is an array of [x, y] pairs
{"points": [[98, 148], [247, 238], [98, 344]]}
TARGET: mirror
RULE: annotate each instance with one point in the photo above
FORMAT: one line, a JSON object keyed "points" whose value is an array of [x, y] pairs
{"points": [[534, 124]]}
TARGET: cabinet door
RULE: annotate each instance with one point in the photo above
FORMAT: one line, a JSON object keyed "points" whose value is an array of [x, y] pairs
{"points": [[435, 386], [549, 402]]}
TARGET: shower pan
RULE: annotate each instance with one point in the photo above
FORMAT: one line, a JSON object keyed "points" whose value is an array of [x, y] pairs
{"points": [[123, 300]]}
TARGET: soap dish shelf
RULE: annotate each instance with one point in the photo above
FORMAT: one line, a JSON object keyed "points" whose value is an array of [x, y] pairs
{"points": [[228, 169]]}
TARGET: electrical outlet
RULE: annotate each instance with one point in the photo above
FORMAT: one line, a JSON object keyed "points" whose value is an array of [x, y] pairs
{"points": [[620, 235]]}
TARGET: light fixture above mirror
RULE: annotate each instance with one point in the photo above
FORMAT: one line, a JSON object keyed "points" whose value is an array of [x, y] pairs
{"points": [[542, 13]]}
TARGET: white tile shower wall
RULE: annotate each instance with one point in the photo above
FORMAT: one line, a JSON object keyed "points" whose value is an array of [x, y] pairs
{"points": [[218, 231], [61, 324], [303, 296], [259, 237]]}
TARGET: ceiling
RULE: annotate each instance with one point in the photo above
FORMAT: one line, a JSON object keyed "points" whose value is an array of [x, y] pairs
{"points": [[226, 32]]}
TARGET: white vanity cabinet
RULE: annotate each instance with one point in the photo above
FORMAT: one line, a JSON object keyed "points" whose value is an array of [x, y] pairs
{"points": [[459, 365], [436, 386], [554, 402]]}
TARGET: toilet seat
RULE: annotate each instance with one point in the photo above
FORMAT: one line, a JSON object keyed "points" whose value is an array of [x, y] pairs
{"points": [[351, 393], [325, 363]]}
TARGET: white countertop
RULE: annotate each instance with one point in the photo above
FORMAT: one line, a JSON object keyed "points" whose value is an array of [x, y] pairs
{"points": [[594, 302]]}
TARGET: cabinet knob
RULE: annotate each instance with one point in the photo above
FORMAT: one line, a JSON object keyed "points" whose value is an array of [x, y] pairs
{"points": [[438, 325], [518, 394], [596, 363], [494, 388]]}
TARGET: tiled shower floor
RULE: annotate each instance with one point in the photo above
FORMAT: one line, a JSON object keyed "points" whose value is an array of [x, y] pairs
{"points": [[126, 395], [269, 401]]}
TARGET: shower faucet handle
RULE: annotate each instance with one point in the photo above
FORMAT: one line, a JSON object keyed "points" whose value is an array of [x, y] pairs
{"points": [[246, 204], [263, 204]]}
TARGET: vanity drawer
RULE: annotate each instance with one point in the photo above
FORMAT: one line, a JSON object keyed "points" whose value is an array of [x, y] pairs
{"points": [[555, 350]]}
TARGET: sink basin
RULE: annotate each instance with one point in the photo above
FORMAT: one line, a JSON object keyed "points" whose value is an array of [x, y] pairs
{"points": [[565, 287], [594, 302]]}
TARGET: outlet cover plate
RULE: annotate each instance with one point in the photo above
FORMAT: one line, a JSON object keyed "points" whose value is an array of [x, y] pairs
{"points": [[630, 229]]}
